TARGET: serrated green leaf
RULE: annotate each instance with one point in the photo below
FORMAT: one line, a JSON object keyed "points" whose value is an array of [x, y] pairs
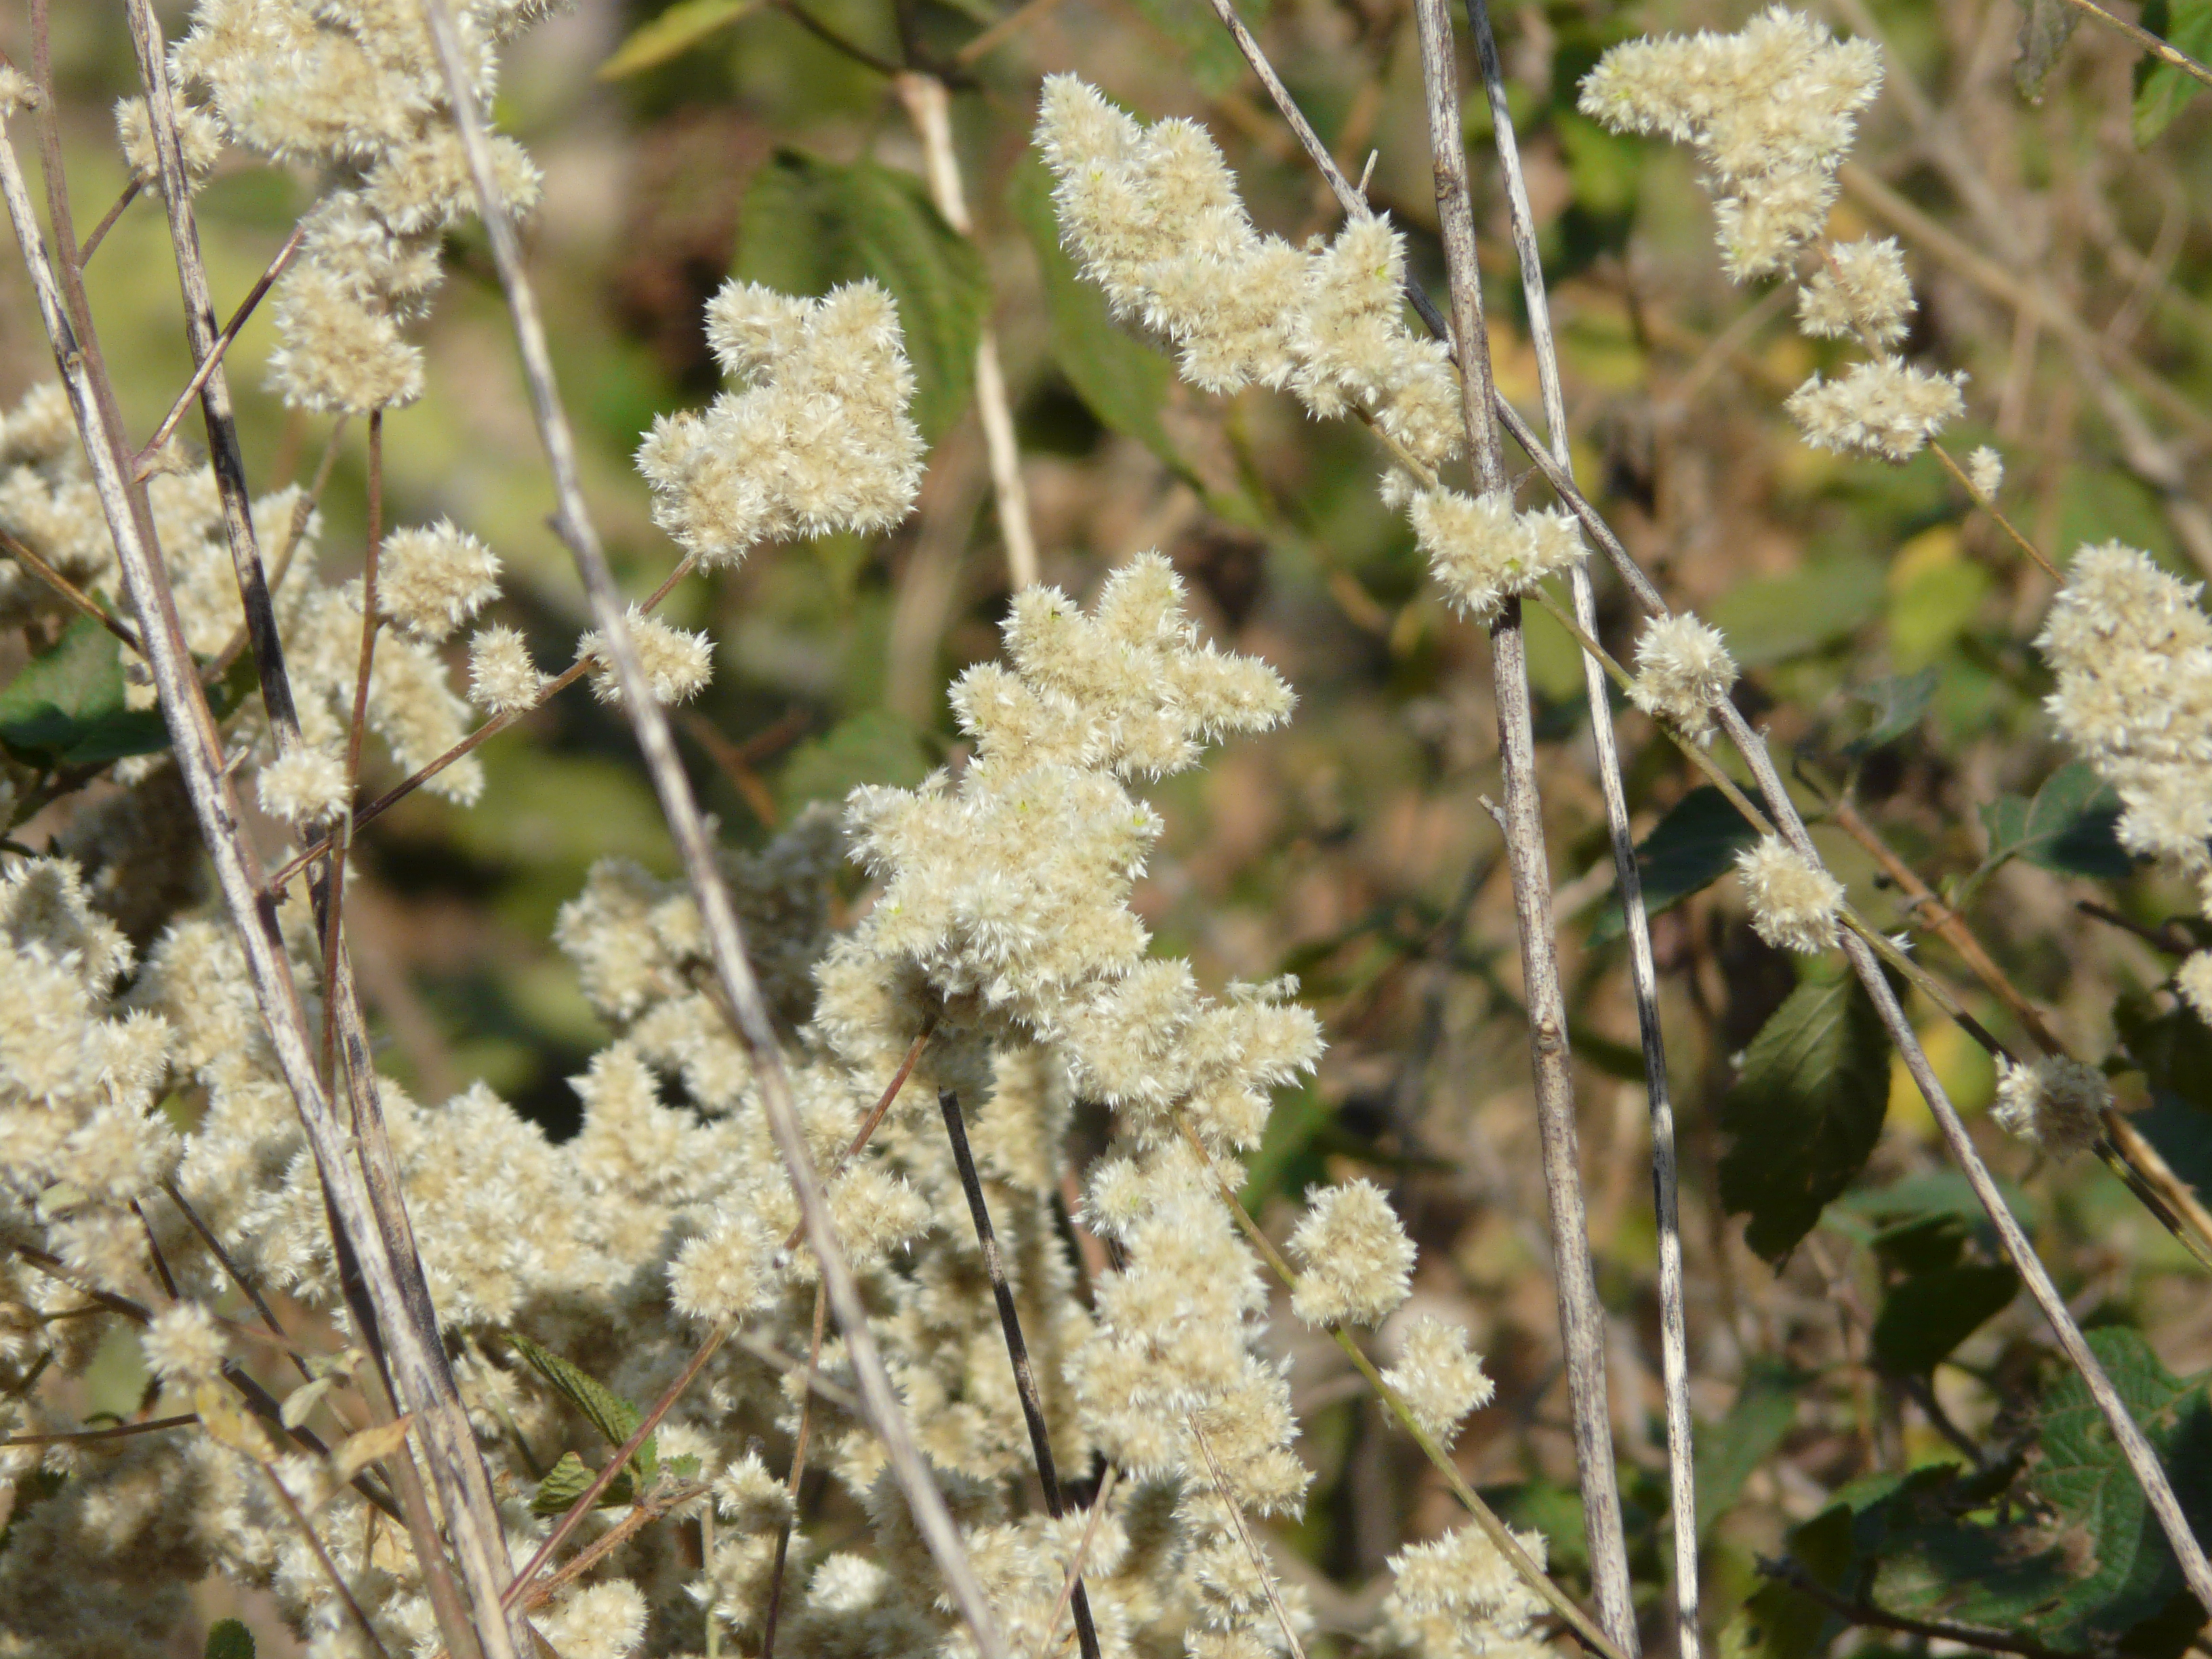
{"points": [[229, 1639], [675, 31], [810, 224], [66, 707], [1926, 1317], [1899, 703], [1728, 1450], [614, 1417], [2045, 27], [2068, 827], [1690, 847], [1121, 380], [1805, 1113], [565, 1482], [2161, 90]]}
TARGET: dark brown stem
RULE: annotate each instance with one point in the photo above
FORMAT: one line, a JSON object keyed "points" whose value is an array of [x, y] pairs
{"points": [[1017, 1350], [793, 1479], [252, 1291], [120, 1431], [107, 221], [77, 599], [214, 359]]}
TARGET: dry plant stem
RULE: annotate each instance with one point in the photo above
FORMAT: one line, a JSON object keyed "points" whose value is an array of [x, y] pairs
{"points": [[1068, 1585], [1244, 1536], [725, 939], [74, 596], [615, 1465], [1582, 1317], [251, 1292], [83, 1437], [641, 1516], [296, 528], [214, 360], [793, 1479], [1017, 1350], [1674, 1336], [291, 1507], [868, 1124], [417, 1359], [1484, 1517], [929, 108], [107, 221], [2145, 40], [1950, 464], [333, 882]]}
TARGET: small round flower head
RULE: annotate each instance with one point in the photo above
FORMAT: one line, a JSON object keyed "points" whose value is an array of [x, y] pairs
{"points": [[199, 135], [432, 578], [1355, 1260], [336, 352], [2055, 1104], [1484, 553], [18, 92], [1683, 672], [2194, 981], [1793, 901], [1985, 471], [1438, 1378], [1460, 1598], [303, 787], [677, 663], [1860, 289], [184, 1344], [1886, 411], [501, 676]]}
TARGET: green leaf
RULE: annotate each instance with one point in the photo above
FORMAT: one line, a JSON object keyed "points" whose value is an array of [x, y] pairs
{"points": [[1926, 1317], [1121, 380], [675, 31], [2161, 90], [1203, 51], [1805, 1113], [614, 1417], [1692, 846], [810, 224], [1728, 1450], [1899, 703], [873, 747], [1782, 616], [227, 1638], [65, 708], [2174, 1050], [564, 1483], [2068, 827], [1935, 606], [2045, 27]]}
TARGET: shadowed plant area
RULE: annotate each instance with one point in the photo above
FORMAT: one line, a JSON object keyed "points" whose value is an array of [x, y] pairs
{"points": [[1105, 829]]}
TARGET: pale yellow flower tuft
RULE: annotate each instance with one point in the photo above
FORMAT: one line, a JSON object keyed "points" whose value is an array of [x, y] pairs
{"points": [[303, 787], [1886, 410], [677, 663], [1683, 672], [432, 578], [1794, 902], [2053, 1103], [501, 676], [1484, 553], [1355, 1261], [1860, 290], [1440, 1380]]}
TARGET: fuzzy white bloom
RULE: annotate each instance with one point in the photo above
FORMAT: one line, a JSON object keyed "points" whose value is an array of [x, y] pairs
{"points": [[2054, 1103], [432, 578], [18, 92], [2194, 981], [2132, 650], [1438, 1377], [819, 440], [336, 352], [199, 135], [1484, 553], [1793, 901], [1887, 411], [184, 1344], [1770, 110], [605, 1621], [501, 676], [1460, 1598], [1153, 215], [1860, 290], [303, 787], [677, 663], [1683, 672], [1355, 1260], [1985, 471]]}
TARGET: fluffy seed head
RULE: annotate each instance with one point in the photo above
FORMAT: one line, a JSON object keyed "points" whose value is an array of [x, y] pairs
{"points": [[1985, 471], [1437, 1377], [1355, 1260], [1484, 553], [501, 676], [1793, 901], [184, 1344], [1861, 289], [2194, 981], [1886, 411], [2054, 1103], [1683, 672], [304, 787], [432, 578], [199, 135], [677, 663]]}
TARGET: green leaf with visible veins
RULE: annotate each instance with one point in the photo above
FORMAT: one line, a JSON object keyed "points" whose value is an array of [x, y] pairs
{"points": [[66, 708], [227, 1638], [2161, 88], [614, 1417], [1692, 846], [1805, 1113]]}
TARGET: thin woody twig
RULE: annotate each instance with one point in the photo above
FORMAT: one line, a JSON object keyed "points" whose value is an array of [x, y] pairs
{"points": [[120, 1431], [2144, 40], [718, 918], [1581, 1315], [793, 1479], [107, 221], [1017, 1350], [213, 359], [76, 598], [1675, 1362], [1074, 1578], [1861, 1613]]}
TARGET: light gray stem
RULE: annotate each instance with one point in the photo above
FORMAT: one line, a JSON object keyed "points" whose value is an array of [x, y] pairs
{"points": [[1674, 1336], [1581, 1315], [725, 939], [417, 1362]]}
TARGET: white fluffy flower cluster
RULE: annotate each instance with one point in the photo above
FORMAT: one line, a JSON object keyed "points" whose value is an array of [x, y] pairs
{"points": [[1793, 901], [2054, 1103], [2132, 648], [1484, 553], [1459, 1598], [1153, 215], [354, 86], [1683, 672], [1770, 110], [819, 440]]}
